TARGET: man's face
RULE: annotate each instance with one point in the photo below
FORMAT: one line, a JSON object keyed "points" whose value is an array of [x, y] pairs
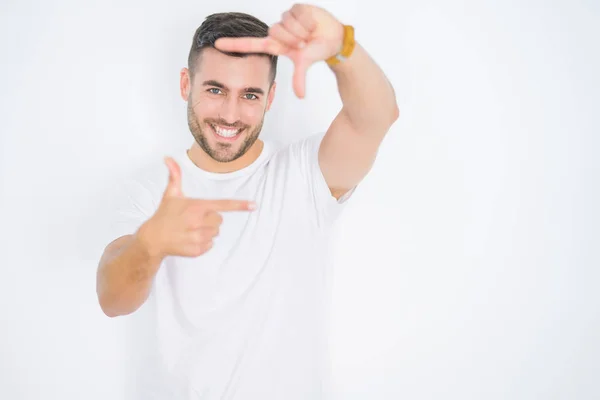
{"points": [[227, 101]]}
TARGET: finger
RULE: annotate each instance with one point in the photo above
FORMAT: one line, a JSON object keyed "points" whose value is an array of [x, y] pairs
{"points": [[301, 13], [209, 232], [203, 220], [251, 45], [299, 80], [197, 249], [203, 235], [292, 25], [212, 219], [281, 34], [174, 185], [230, 205]]}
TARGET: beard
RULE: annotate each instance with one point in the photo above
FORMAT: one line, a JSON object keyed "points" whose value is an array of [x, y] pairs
{"points": [[223, 152]]}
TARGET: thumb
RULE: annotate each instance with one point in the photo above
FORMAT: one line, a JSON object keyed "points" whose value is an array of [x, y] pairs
{"points": [[300, 77], [174, 185]]}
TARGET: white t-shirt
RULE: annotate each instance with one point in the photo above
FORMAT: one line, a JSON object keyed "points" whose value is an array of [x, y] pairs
{"points": [[248, 319]]}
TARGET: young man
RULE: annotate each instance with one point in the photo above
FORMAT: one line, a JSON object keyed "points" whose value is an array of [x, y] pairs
{"points": [[230, 239]]}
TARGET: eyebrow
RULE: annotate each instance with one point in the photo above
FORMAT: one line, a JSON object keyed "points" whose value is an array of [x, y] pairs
{"points": [[222, 86]]}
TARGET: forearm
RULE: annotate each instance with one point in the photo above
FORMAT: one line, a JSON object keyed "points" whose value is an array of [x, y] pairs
{"points": [[125, 276], [368, 97]]}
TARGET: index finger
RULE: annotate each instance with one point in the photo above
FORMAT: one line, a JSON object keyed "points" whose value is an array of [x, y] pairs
{"points": [[250, 45], [230, 205]]}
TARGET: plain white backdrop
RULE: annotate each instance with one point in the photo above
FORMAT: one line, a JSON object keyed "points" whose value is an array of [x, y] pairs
{"points": [[467, 262]]}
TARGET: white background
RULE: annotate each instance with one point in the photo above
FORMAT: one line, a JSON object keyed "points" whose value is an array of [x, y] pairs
{"points": [[467, 263]]}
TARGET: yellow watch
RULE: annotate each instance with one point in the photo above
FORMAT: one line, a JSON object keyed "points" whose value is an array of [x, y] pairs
{"points": [[347, 47]]}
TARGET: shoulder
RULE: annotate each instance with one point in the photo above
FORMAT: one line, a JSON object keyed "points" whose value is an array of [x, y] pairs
{"points": [[302, 152], [306, 145], [143, 183]]}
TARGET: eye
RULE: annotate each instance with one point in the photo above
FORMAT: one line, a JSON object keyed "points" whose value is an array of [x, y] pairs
{"points": [[214, 90], [251, 94]]}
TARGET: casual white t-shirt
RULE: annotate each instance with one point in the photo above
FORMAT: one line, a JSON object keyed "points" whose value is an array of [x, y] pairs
{"points": [[248, 319]]}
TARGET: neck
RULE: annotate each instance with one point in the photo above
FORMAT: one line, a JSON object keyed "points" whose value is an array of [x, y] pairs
{"points": [[207, 163]]}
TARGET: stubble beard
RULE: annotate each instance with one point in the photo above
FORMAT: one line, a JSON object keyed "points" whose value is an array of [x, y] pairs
{"points": [[223, 153]]}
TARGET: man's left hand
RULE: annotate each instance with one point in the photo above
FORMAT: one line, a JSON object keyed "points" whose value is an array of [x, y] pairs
{"points": [[306, 34]]}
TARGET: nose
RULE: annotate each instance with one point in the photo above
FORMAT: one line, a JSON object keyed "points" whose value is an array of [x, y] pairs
{"points": [[230, 110]]}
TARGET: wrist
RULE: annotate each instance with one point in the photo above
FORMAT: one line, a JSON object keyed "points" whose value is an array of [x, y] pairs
{"points": [[339, 38], [346, 46], [148, 241]]}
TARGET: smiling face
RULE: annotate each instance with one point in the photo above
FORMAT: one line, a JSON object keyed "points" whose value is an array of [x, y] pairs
{"points": [[227, 100]]}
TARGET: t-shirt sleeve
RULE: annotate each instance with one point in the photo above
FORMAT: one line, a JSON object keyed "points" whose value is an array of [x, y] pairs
{"points": [[326, 206], [133, 204]]}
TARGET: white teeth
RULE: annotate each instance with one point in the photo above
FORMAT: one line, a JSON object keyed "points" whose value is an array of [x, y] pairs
{"points": [[228, 133]]}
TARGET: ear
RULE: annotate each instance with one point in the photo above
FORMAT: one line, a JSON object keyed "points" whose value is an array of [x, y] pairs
{"points": [[185, 84], [271, 95]]}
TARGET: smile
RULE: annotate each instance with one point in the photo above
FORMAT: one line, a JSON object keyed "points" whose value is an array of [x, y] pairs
{"points": [[227, 134]]}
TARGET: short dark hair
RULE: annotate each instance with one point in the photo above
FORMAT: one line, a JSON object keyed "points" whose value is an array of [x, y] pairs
{"points": [[228, 24]]}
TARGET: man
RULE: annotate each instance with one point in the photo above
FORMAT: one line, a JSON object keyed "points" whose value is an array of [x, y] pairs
{"points": [[233, 251]]}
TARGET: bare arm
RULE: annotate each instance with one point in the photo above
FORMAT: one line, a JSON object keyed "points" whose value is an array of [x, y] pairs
{"points": [[309, 34], [125, 274], [369, 109], [180, 227]]}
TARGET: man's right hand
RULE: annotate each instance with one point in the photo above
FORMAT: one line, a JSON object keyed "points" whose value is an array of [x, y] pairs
{"points": [[183, 226]]}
